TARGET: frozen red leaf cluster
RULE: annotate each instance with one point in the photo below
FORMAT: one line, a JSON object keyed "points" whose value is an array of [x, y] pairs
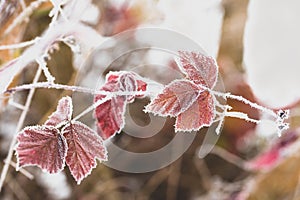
{"points": [[189, 100], [61, 140], [49, 146]]}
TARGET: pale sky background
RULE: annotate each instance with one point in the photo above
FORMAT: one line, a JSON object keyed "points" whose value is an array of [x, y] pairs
{"points": [[272, 50]]}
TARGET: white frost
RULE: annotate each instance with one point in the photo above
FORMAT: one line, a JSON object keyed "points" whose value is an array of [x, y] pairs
{"points": [[271, 54]]}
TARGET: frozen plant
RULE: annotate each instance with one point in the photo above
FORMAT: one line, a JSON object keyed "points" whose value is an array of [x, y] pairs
{"points": [[191, 100], [62, 139]]}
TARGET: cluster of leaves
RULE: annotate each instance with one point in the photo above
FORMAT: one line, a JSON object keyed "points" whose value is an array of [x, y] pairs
{"points": [[61, 139], [189, 100]]}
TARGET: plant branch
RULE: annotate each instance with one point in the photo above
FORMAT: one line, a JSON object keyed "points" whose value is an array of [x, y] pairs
{"points": [[42, 63], [23, 4], [245, 101], [23, 171], [23, 15], [19, 126], [48, 85], [16, 105], [241, 115], [279, 116], [56, 10], [20, 45], [92, 107], [229, 157]]}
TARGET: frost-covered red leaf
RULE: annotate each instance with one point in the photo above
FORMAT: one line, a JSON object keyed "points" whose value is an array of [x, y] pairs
{"points": [[129, 82], [110, 114], [199, 68], [84, 146], [190, 101], [62, 114], [43, 146], [176, 97], [201, 113]]}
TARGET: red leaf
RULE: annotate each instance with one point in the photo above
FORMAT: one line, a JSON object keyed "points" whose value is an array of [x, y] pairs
{"points": [[42, 146], [63, 112], [124, 82], [110, 114], [199, 114], [176, 97], [84, 146], [141, 86], [129, 81], [199, 68]]}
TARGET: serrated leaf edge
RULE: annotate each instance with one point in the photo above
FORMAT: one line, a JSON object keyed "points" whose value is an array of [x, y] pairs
{"points": [[147, 110], [203, 125], [18, 167], [179, 64], [69, 117], [96, 157]]}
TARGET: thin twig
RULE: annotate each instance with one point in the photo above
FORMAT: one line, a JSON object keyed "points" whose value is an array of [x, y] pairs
{"points": [[23, 15], [23, 171], [48, 85], [16, 105], [73, 88], [229, 157], [241, 115], [245, 101], [42, 63], [58, 9], [23, 4], [92, 107], [20, 45], [19, 126]]}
